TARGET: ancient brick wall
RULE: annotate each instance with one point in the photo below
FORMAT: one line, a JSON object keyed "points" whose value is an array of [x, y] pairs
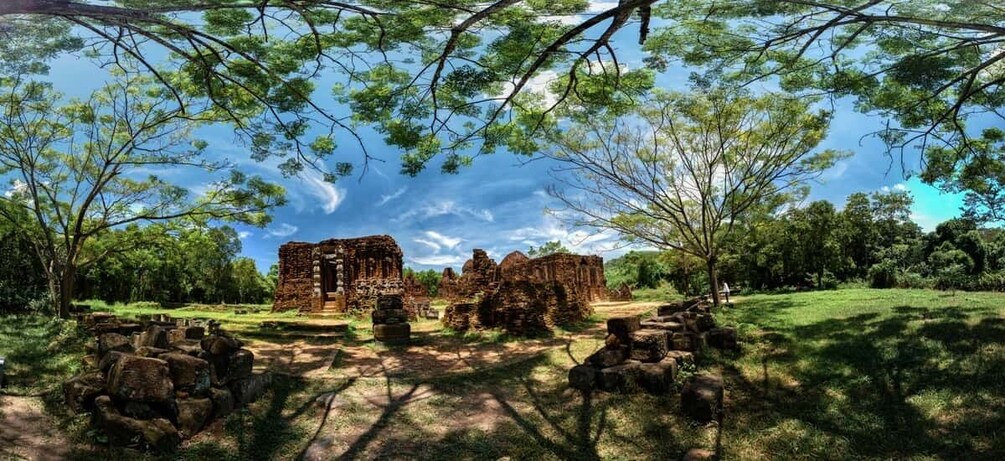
{"points": [[345, 274], [520, 307], [296, 278], [449, 287], [583, 274]]}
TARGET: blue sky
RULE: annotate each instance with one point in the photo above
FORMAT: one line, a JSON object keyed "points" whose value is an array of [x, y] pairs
{"points": [[497, 204]]}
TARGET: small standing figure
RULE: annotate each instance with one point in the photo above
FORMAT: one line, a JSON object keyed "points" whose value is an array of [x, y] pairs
{"points": [[725, 291]]}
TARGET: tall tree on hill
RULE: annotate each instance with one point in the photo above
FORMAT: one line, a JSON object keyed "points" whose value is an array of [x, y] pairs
{"points": [[681, 171], [91, 165]]}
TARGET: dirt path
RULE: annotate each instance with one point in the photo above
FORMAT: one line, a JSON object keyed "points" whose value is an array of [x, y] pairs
{"points": [[428, 355], [27, 432]]}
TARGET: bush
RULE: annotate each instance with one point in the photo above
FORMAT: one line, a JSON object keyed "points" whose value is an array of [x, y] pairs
{"points": [[883, 275], [913, 280]]}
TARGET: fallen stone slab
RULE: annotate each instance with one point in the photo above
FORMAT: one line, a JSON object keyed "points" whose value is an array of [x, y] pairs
{"points": [[188, 374], [622, 327], [141, 379], [583, 377], [620, 378], [649, 345], [81, 390], [249, 389], [701, 397], [223, 401], [239, 364], [153, 336], [659, 377], [685, 341], [609, 357], [108, 342], [220, 345], [193, 414], [186, 333], [157, 434], [681, 357], [699, 454], [665, 326], [390, 302]]}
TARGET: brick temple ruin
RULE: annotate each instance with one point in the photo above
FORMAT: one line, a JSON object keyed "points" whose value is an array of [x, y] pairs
{"points": [[338, 275], [583, 275], [523, 295]]}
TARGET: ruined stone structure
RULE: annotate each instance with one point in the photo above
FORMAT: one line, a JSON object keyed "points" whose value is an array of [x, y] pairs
{"points": [[338, 275], [149, 384], [449, 287], [584, 274]]}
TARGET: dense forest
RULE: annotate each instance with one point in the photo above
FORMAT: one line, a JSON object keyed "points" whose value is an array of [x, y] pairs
{"points": [[871, 240]]}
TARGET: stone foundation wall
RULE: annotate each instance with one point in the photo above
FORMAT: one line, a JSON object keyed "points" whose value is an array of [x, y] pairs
{"points": [[520, 307], [296, 278], [584, 274]]}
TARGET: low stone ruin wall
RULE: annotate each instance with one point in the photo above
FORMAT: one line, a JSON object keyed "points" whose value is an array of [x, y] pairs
{"points": [[647, 355], [520, 308], [150, 384]]}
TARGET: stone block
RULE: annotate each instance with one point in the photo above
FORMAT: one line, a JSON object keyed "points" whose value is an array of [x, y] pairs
{"points": [[396, 333], [665, 326], [659, 377], [681, 357], [609, 357], [619, 378], [186, 333], [154, 336], [388, 302], [685, 341], [223, 401], [108, 342], [156, 434], [389, 316], [622, 327], [583, 377], [81, 390], [141, 379], [146, 351], [188, 374], [699, 454], [701, 397], [193, 414], [249, 389], [108, 360], [649, 345], [240, 364], [220, 345], [188, 346]]}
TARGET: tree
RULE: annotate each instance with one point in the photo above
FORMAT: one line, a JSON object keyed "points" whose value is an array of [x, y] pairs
{"points": [[929, 66], [681, 171], [857, 233], [434, 77], [819, 248], [75, 169], [548, 248]]}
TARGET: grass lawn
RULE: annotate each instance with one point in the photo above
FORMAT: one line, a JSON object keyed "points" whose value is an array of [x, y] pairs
{"points": [[850, 374]]}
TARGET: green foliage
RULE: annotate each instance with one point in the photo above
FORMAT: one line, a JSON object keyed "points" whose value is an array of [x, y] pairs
{"points": [[883, 275], [429, 278], [548, 248], [931, 67]]}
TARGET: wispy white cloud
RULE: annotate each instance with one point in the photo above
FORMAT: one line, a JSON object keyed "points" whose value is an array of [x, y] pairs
{"points": [[438, 260], [435, 246], [330, 196], [443, 208], [444, 240], [282, 230], [388, 197], [244, 234], [899, 187]]}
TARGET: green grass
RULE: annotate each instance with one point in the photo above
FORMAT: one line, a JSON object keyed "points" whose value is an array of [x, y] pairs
{"points": [[859, 373], [846, 374], [225, 314]]}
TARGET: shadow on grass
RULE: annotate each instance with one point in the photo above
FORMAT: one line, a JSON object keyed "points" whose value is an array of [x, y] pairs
{"points": [[920, 382]]}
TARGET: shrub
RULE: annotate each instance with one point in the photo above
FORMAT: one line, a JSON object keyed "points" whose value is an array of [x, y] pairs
{"points": [[883, 275], [913, 280]]}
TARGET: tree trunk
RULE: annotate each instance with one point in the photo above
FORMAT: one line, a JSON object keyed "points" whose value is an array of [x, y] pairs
{"points": [[713, 280], [66, 291]]}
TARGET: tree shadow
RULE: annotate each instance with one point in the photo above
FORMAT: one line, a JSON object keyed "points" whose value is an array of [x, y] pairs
{"points": [[922, 382]]}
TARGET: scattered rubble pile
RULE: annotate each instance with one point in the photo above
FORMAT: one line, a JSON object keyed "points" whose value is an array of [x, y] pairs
{"points": [[151, 383], [648, 354], [621, 294], [390, 320], [520, 308]]}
